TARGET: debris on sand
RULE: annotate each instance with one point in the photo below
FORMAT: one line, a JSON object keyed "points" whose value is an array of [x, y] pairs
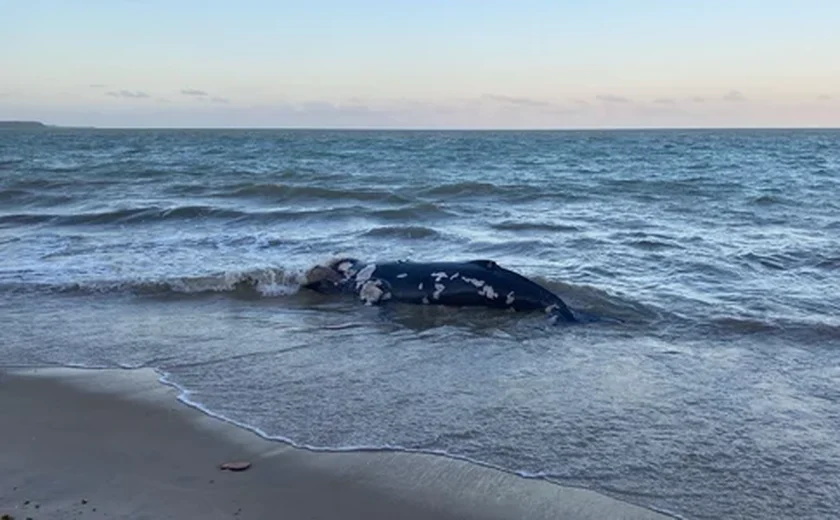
{"points": [[235, 466]]}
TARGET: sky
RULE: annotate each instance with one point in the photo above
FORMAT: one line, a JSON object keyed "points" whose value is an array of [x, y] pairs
{"points": [[421, 63]]}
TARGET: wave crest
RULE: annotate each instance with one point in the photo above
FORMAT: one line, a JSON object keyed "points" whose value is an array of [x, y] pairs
{"points": [[287, 191], [258, 282], [465, 188], [120, 216], [521, 225], [412, 232], [152, 214], [809, 330]]}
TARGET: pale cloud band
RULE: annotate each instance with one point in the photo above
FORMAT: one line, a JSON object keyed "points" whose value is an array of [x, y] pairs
{"points": [[199, 108], [200, 95], [193, 92], [734, 96], [612, 98], [129, 94]]}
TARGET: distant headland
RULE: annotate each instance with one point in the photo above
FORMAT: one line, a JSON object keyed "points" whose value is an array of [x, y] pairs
{"points": [[33, 125], [21, 125]]}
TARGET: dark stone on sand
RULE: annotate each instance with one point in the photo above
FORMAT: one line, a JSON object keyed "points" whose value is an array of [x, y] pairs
{"points": [[235, 466]]}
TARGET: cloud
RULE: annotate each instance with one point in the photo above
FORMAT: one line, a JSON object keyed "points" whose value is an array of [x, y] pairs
{"points": [[698, 99], [734, 96], [193, 92], [97, 85], [519, 101], [611, 98], [825, 97], [523, 106], [665, 101], [395, 113], [221, 100], [130, 94]]}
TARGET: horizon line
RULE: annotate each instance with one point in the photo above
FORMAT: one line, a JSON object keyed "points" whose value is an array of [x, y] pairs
{"points": [[420, 128]]}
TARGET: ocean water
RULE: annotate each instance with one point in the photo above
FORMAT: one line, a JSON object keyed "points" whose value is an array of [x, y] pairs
{"points": [[715, 393]]}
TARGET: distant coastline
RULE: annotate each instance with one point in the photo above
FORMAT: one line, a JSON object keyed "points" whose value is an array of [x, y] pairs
{"points": [[32, 125], [38, 125], [21, 125]]}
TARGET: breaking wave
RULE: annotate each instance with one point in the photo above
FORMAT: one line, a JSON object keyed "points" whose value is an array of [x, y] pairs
{"points": [[269, 282], [298, 193], [152, 214], [412, 232]]}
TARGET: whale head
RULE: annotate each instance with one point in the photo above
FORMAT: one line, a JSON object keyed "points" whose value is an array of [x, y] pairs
{"points": [[331, 277]]}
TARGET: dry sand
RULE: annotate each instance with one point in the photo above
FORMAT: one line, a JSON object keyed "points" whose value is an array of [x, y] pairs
{"points": [[117, 444]]}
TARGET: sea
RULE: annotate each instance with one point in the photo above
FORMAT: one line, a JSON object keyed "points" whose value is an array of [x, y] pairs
{"points": [[709, 390]]}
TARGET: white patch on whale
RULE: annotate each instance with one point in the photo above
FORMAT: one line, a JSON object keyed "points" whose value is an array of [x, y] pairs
{"points": [[425, 300], [551, 308], [510, 299], [365, 274], [439, 276], [420, 286], [402, 275], [454, 276], [488, 292], [474, 281], [439, 287], [371, 292]]}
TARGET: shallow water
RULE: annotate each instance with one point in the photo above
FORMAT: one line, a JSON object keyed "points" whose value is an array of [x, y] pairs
{"points": [[714, 396]]}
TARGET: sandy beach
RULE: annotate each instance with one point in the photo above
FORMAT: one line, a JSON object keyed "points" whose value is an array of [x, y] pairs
{"points": [[118, 444]]}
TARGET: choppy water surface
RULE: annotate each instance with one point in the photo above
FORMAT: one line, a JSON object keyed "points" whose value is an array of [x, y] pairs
{"points": [[715, 396]]}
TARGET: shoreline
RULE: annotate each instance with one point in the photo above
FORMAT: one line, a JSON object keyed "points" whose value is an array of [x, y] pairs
{"points": [[103, 443]]}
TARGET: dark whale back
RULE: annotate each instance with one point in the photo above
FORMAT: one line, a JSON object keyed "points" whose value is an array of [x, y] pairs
{"points": [[471, 283]]}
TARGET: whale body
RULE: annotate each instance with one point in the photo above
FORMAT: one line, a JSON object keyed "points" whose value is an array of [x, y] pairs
{"points": [[471, 283]]}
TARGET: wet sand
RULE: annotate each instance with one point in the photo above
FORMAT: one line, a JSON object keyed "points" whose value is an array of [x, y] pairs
{"points": [[118, 444]]}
